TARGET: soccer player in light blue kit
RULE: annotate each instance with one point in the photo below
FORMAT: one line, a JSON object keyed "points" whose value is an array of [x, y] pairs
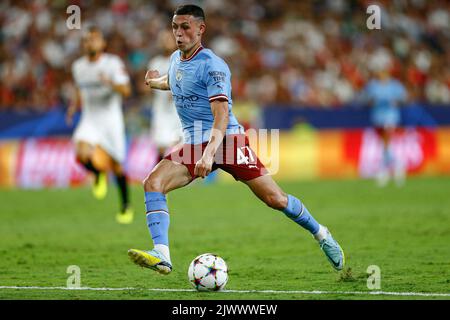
{"points": [[200, 83], [385, 96]]}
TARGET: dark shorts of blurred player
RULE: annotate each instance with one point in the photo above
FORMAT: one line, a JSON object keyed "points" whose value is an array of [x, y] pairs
{"points": [[96, 156], [386, 133], [385, 120], [233, 156]]}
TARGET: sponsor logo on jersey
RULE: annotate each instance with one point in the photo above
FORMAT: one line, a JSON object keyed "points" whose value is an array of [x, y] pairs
{"points": [[218, 76], [179, 75], [184, 101]]}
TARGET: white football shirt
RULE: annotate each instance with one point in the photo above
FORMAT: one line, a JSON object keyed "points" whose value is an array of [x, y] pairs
{"points": [[101, 120], [166, 125]]}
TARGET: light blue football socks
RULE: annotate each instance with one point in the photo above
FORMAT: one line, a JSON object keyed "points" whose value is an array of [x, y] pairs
{"points": [[297, 212], [158, 221]]}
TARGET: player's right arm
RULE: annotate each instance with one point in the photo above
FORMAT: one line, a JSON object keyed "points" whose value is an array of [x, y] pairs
{"points": [[366, 96], [156, 81], [73, 106]]}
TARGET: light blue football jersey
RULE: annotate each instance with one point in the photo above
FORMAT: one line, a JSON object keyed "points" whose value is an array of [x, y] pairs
{"points": [[385, 96], [196, 82]]}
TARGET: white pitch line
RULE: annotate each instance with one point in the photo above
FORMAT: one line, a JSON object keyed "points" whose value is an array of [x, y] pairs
{"points": [[420, 294]]}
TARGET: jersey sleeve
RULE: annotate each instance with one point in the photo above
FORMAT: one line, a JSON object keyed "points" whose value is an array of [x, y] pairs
{"points": [[369, 91], [401, 92], [217, 79], [119, 73]]}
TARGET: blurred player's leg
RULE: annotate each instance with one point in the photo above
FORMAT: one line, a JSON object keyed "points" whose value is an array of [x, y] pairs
{"points": [[270, 193], [399, 172], [166, 176], [398, 167], [382, 173], [85, 154], [126, 214], [391, 166]]}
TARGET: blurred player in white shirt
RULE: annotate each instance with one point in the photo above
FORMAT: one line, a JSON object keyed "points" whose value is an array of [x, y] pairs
{"points": [[166, 126], [102, 81]]}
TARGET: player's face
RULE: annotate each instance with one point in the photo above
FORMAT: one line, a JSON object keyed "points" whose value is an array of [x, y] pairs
{"points": [[383, 75], [93, 43], [187, 31]]}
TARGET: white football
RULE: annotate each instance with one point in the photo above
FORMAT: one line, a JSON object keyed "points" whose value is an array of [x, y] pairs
{"points": [[208, 272]]}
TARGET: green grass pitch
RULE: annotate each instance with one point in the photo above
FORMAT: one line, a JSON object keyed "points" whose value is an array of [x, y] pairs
{"points": [[405, 231]]}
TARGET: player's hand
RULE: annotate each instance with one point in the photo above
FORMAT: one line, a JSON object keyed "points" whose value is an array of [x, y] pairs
{"points": [[105, 80], [203, 166], [69, 115], [151, 74]]}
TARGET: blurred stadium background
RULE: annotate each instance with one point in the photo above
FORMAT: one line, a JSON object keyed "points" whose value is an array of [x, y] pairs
{"points": [[298, 66]]}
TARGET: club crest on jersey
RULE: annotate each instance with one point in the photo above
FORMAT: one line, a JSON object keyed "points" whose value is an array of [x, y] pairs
{"points": [[179, 75]]}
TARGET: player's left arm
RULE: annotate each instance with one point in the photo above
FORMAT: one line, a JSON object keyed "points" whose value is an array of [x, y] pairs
{"points": [[118, 79], [74, 106], [219, 109], [366, 96], [217, 78], [402, 95], [122, 89]]}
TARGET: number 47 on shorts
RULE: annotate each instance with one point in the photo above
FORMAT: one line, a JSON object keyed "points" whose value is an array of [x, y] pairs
{"points": [[242, 158]]}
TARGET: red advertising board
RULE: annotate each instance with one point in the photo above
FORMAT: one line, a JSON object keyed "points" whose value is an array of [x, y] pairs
{"points": [[413, 147], [50, 162]]}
